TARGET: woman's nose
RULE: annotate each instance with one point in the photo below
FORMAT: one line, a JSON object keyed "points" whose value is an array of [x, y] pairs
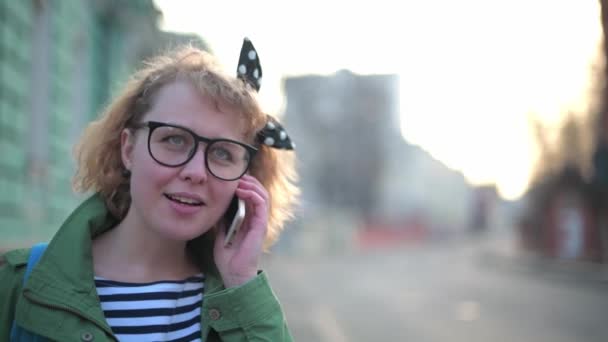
{"points": [[195, 169]]}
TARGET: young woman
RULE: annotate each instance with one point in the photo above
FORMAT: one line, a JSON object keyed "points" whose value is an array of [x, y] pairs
{"points": [[145, 258]]}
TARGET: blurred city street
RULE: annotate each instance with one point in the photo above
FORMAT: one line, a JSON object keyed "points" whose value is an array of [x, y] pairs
{"points": [[453, 291], [445, 134]]}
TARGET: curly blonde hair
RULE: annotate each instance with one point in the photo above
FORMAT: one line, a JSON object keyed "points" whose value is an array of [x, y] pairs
{"points": [[99, 164]]}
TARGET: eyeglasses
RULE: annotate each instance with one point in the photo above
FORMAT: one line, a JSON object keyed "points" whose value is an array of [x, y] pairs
{"points": [[174, 146]]}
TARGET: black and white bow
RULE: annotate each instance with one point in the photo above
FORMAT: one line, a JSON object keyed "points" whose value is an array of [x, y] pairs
{"points": [[249, 70]]}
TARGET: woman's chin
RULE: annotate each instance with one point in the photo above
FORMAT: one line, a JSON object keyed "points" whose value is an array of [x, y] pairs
{"points": [[183, 234]]}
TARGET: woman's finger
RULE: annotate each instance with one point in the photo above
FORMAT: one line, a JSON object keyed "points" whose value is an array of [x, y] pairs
{"points": [[250, 183]]}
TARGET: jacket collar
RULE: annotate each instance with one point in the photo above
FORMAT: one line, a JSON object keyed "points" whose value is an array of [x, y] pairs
{"points": [[63, 279], [64, 276]]}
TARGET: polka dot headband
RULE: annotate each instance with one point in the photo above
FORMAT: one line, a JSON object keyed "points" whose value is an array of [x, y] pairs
{"points": [[250, 71]]}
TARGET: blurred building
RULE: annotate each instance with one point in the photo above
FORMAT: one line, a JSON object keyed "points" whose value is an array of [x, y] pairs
{"points": [[59, 63], [561, 218], [340, 124], [483, 204], [416, 185], [357, 172]]}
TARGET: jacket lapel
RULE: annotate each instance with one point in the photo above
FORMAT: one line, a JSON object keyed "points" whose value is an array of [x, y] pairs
{"points": [[63, 280]]}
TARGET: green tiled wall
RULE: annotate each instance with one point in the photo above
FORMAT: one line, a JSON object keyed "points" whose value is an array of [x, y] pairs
{"points": [[36, 195]]}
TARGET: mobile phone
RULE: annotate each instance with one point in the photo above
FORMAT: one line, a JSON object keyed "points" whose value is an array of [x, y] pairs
{"points": [[236, 211]]}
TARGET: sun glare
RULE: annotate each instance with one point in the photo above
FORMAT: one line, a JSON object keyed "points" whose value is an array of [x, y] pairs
{"points": [[471, 110], [471, 71]]}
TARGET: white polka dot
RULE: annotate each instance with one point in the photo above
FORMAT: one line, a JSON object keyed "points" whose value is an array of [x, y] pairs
{"points": [[270, 125], [269, 141], [259, 81], [256, 73], [251, 55], [282, 135], [242, 69]]}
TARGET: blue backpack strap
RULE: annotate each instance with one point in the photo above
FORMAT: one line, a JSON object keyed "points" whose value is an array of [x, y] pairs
{"points": [[19, 334], [35, 254]]}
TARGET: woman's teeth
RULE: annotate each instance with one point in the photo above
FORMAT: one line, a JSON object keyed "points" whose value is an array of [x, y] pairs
{"points": [[183, 200]]}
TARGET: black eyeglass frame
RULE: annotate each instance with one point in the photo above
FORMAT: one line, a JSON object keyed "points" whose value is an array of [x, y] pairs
{"points": [[152, 125]]}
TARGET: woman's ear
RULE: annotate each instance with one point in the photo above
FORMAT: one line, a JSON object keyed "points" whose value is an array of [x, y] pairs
{"points": [[127, 144]]}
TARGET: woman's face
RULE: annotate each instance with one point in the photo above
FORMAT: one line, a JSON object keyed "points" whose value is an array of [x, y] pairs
{"points": [[158, 192]]}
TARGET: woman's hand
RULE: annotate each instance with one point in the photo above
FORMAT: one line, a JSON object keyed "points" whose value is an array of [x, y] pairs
{"points": [[238, 262]]}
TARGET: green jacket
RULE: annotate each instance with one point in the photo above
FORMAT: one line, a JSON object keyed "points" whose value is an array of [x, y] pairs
{"points": [[60, 300]]}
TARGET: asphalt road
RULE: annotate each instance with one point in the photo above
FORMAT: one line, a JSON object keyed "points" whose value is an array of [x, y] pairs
{"points": [[447, 292]]}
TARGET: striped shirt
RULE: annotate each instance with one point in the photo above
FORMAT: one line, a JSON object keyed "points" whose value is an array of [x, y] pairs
{"points": [[158, 311]]}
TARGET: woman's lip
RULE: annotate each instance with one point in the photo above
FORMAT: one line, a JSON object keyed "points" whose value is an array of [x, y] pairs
{"points": [[190, 196], [184, 209]]}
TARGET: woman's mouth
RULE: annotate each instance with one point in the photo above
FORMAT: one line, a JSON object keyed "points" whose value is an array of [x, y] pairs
{"points": [[186, 200]]}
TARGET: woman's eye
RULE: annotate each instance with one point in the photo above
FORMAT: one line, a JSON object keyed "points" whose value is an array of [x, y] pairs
{"points": [[175, 140], [221, 153]]}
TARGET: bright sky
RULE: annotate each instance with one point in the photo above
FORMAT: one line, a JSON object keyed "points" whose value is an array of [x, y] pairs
{"points": [[472, 72]]}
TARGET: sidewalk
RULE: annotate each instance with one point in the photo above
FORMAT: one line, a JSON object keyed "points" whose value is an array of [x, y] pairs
{"points": [[503, 252]]}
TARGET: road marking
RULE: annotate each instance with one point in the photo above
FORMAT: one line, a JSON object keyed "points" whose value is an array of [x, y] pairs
{"points": [[467, 311], [408, 301], [326, 324]]}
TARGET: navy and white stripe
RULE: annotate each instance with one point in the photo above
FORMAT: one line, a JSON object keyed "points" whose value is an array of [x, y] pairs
{"points": [[158, 311]]}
